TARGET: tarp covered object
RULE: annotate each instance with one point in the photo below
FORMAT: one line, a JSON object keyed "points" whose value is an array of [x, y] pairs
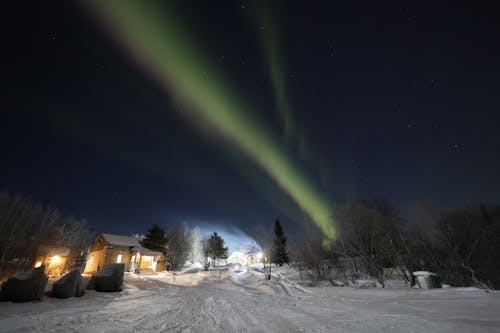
{"points": [[108, 278], [25, 287], [427, 280], [69, 285]]}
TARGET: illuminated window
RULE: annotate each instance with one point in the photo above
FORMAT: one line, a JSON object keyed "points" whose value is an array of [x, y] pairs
{"points": [[119, 259], [132, 259], [38, 264], [147, 258]]}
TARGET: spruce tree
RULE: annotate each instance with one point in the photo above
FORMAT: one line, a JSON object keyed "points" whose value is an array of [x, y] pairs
{"points": [[216, 248], [279, 254], [156, 239]]}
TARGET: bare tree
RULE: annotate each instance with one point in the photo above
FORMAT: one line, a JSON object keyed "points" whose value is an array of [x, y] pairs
{"points": [[262, 236], [206, 253], [178, 245], [314, 258], [25, 227], [76, 233], [196, 253], [370, 235], [469, 246]]}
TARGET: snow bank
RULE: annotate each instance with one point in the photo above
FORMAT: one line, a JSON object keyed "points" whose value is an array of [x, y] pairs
{"points": [[191, 268], [224, 300]]}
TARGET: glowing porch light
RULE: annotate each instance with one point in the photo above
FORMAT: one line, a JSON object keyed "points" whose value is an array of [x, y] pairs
{"points": [[55, 260], [38, 264]]}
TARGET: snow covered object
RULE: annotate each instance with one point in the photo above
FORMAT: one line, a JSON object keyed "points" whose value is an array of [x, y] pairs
{"points": [[427, 280], [69, 285], [25, 287], [108, 278]]}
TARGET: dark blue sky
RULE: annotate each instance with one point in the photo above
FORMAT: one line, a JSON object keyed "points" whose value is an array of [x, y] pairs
{"points": [[395, 99]]}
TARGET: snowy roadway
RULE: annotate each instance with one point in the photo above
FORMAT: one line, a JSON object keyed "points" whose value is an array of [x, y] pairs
{"points": [[226, 301]]}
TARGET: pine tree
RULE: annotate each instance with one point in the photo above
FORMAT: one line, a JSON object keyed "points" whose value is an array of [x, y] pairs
{"points": [[215, 247], [156, 239], [279, 254]]}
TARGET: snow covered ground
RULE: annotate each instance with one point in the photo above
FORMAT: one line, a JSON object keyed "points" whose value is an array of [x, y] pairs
{"points": [[227, 300]]}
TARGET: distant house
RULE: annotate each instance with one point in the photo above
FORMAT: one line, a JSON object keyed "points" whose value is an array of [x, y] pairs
{"points": [[110, 249], [254, 258], [238, 257]]}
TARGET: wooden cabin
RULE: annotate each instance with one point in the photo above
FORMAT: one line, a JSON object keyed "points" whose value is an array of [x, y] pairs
{"points": [[111, 249], [57, 260]]}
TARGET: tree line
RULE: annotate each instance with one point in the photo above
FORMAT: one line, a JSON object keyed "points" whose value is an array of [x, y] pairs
{"points": [[372, 241], [180, 244], [27, 226], [462, 246]]}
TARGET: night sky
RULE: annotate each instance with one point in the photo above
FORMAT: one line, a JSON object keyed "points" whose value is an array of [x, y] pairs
{"points": [[115, 118]]}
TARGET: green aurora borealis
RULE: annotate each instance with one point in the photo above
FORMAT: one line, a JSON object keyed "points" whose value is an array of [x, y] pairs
{"points": [[164, 47]]}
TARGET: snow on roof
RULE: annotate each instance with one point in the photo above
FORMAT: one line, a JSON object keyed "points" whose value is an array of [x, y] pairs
{"points": [[144, 251], [423, 273], [130, 241], [121, 240], [254, 254]]}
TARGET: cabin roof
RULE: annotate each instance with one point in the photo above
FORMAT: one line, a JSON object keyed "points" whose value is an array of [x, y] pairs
{"points": [[144, 251], [129, 241], [121, 240]]}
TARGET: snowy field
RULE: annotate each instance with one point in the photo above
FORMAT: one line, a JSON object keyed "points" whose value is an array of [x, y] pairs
{"points": [[242, 301]]}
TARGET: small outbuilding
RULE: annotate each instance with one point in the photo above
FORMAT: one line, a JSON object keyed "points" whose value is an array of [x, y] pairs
{"points": [[427, 280], [115, 249], [56, 259]]}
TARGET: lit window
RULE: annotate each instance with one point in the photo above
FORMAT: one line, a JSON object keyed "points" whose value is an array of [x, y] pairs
{"points": [[132, 259], [38, 264], [147, 258], [119, 259]]}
